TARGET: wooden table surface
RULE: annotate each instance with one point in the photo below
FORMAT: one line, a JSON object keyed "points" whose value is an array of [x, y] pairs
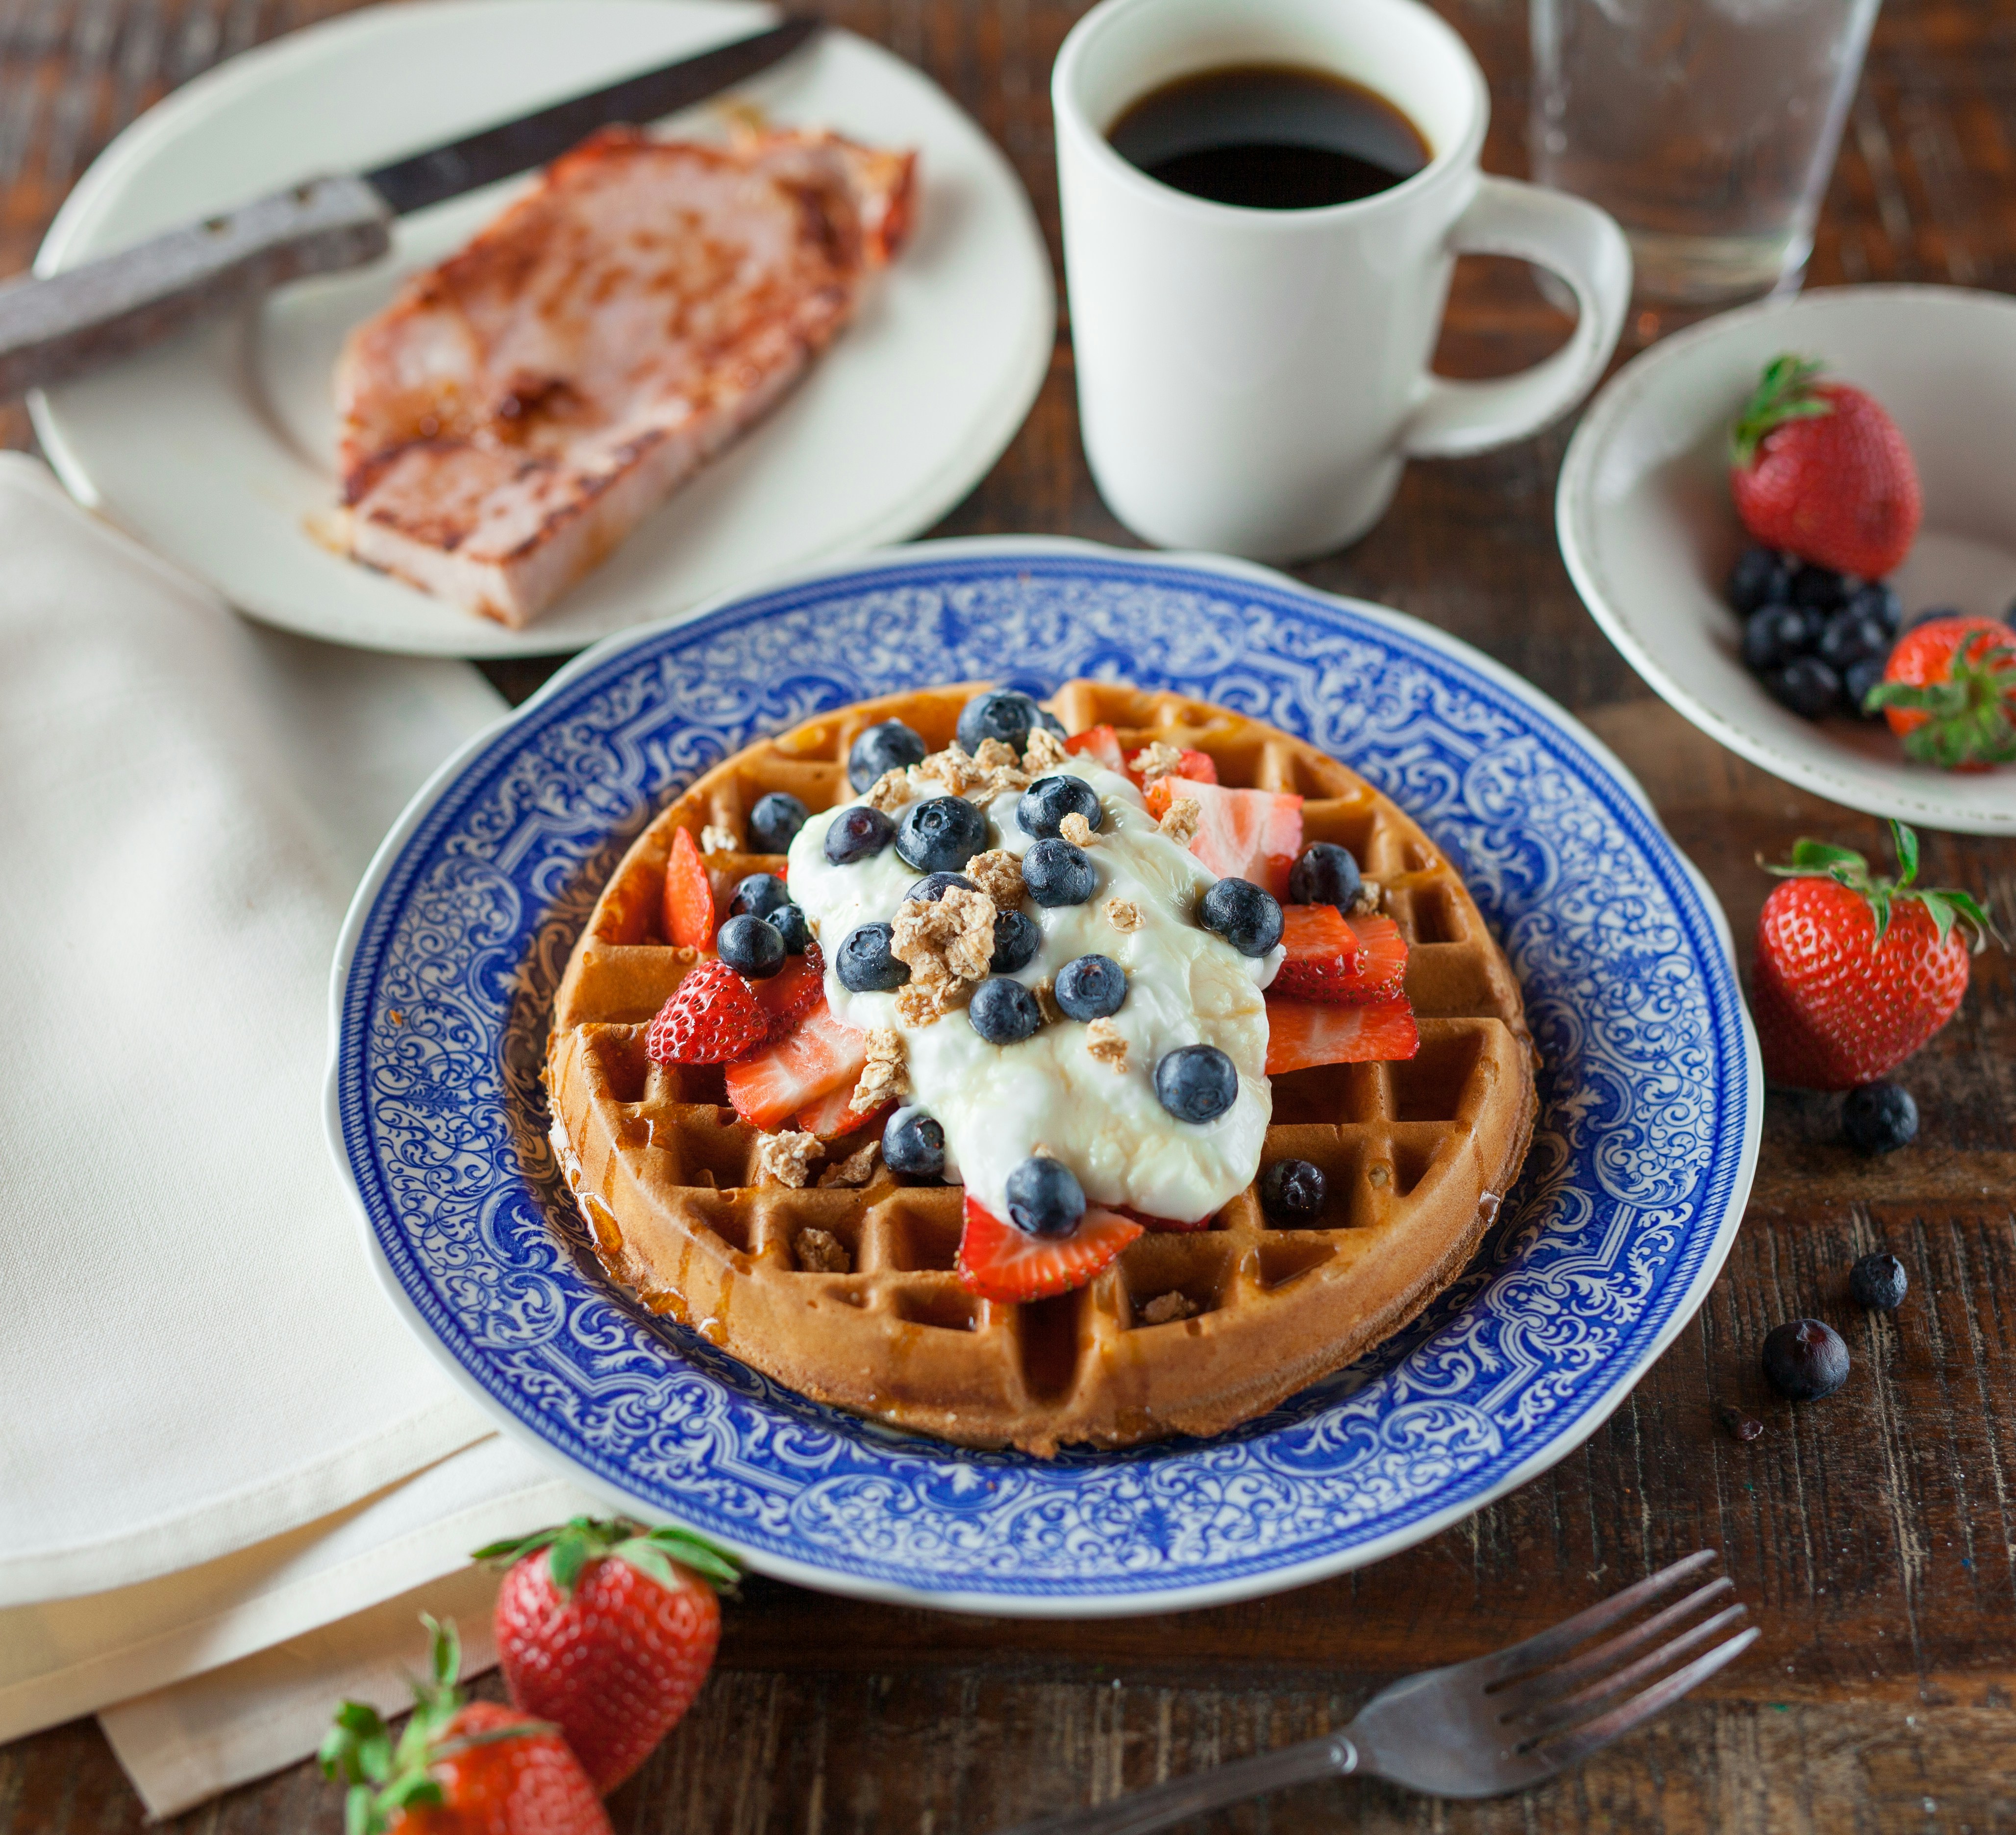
{"points": [[1874, 1535]]}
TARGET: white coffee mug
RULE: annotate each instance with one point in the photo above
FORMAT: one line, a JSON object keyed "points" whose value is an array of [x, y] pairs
{"points": [[1254, 380]]}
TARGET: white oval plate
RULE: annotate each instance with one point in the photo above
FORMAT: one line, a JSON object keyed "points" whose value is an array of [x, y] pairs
{"points": [[216, 449], [1649, 534]]}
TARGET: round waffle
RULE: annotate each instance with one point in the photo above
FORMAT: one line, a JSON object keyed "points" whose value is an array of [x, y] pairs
{"points": [[1418, 1155]]}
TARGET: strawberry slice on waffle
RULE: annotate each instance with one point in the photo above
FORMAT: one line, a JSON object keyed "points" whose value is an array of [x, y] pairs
{"points": [[1301, 1034], [688, 895], [834, 1114], [816, 1057], [1101, 742], [1251, 835], [795, 989], [709, 1017], [1001, 1263], [1349, 962], [1198, 768]]}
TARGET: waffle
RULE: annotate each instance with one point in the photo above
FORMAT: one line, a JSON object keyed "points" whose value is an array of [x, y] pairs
{"points": [[1417, 1155]]}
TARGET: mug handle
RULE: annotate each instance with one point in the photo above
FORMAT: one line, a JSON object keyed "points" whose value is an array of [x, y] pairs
{"points": [[1568, 237]]}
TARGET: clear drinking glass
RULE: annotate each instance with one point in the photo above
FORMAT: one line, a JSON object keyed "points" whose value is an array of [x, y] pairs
{"points": [[1706, 127]]}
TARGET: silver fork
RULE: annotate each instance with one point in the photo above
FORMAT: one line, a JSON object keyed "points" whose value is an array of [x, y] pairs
{"points": [[1503, 1722]]}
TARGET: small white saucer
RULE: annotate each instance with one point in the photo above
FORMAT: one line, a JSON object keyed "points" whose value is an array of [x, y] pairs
{"points": [[1649, 533], [216, 449]]}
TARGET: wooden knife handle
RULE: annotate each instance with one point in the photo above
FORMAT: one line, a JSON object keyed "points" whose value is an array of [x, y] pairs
{"points": [[87, 315]]}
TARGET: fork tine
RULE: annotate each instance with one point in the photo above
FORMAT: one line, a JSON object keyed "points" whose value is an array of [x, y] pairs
{"points": [[1571, 1708], [1593, 1735], [1538, 1651], [1547, 1684]]}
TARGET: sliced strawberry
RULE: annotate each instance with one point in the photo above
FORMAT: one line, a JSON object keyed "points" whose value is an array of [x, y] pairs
{"points": [[999, 1262], [688, 896], [833, 1115], [816, 1057], [1241, 834], [791, 994], [711, 1016], [1102, 742], [1313, 971], [1199, 767], [1322, 952], [1302, 1033]]}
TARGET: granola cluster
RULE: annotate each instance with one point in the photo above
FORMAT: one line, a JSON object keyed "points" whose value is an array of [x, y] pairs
{"points": [[1159, 759], [1166, 1308], [821, 1252], [1124, 915], [1180, 821], [948, 944], [787, 1159], [716, 839], [998, 872], [1103, 1041], [884, 1078], [1076, 830]]}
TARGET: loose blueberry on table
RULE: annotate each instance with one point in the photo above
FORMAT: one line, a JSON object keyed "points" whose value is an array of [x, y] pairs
{"points": [[1805, 1359], [1878, 1281]]}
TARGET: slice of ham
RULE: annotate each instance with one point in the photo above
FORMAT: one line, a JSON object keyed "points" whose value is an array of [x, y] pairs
{"points": [[516, 411]]}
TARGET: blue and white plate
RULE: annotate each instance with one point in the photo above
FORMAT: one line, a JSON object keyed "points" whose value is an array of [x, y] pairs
{"points": [[1638, 1171]]}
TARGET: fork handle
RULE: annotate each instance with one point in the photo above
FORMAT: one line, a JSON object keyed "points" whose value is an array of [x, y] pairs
{"points": [[1333, 1756], [85, 316]]}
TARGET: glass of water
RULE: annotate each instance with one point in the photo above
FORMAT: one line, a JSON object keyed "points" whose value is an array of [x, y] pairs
{"points": [[1706, 127]]}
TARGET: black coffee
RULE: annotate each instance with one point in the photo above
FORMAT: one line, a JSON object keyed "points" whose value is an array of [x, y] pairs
{"points": [[1271, 137]]}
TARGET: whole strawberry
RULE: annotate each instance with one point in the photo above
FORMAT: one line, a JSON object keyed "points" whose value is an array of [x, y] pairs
{"points": [[608, 1629], [1855, 973], [1819, 469], [478, 1769], [1949, 691]]}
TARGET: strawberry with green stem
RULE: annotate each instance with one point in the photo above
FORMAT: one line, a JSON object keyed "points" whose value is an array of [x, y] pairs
{"points": [[1819, 469], [476, 1767], [1949, 691], [1854, 971], [607, 1629]]}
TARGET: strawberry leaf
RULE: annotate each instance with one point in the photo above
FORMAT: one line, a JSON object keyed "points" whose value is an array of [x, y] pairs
{"points": [[1906, 842], [1821, 857], [702, 1556], [567, 1556], [1784, 392]]}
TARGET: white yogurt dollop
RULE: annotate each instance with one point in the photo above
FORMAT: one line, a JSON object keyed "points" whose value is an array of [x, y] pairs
{"points": [[998, 1104]]}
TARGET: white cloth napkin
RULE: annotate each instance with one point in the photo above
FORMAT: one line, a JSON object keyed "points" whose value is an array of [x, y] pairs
{"points": [[194, 1355]]}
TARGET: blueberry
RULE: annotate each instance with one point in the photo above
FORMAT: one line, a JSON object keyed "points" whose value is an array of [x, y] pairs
{"points": [[1806, 686], [1292, 1191], [1326, 874], [941, 834], [757, 895], [1879, 597], [1805, 1360], [1055, 873], [1005, 715], [1879, 1282], [1047, 801], [1760, 578], [1016, 939], [1851, 636], [1090, 988], [1044, 1198], [1197, 1083], [774, 821], [931, 887], [1855, 685], [1773, 637], [889, 747], [1003, 1011], [792, 925], [857, 833], [751, 947], [1879, 1118], [1246, 917], [913, 1142], [866, 964], [1821, 588]]}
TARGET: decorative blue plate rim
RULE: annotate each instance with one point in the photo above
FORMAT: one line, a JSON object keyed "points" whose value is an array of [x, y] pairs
{"points": [[1644, 1155]]}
